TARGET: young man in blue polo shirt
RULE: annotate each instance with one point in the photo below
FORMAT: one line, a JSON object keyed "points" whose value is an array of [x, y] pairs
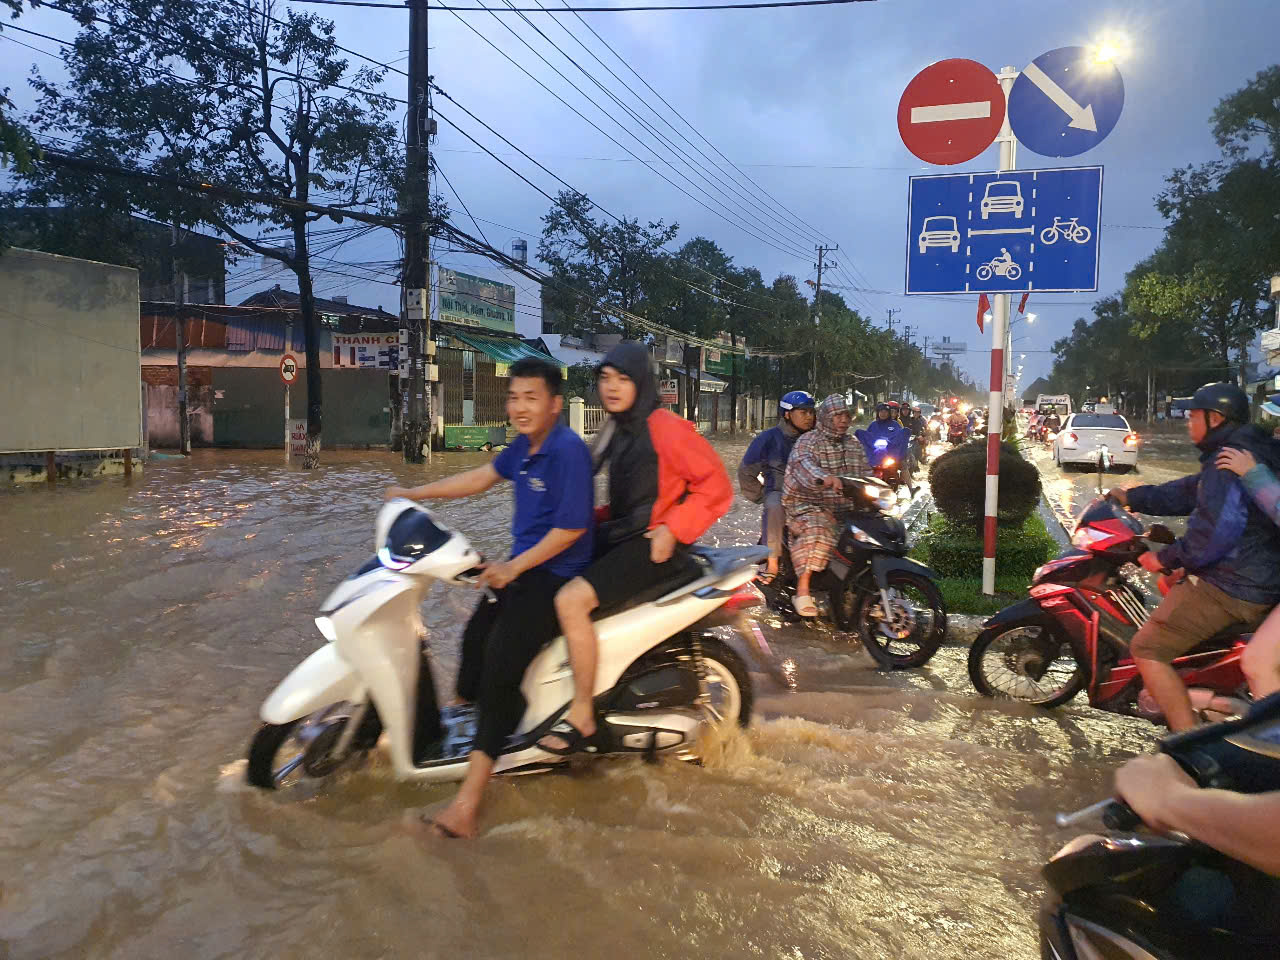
{"points": [[550, 468]]}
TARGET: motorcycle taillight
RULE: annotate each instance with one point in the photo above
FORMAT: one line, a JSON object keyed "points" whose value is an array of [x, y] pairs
{"points": [[746, 596]]}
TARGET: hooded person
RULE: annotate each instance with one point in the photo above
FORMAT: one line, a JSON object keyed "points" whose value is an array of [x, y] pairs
{"points": [[812, 493], [667, 486]]}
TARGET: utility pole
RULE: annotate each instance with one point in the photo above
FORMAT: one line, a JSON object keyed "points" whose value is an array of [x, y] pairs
{"points": [[817, 309], [892, 316], [180, 333], [416, 207]]}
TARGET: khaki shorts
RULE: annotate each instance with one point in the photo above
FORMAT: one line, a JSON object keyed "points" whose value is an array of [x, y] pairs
{"points": [[1193, 612]]}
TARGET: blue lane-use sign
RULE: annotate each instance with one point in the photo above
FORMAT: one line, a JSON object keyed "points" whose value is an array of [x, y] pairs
{"points": [[1024, 230], [1065, 102]]}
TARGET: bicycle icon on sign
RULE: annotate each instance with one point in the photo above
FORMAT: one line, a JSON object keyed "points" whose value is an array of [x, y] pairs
{"points": [[1070, 229]]}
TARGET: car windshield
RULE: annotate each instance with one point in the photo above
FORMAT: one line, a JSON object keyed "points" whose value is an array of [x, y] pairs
{"points": [[1100, 420], [1002, 190], [940, 223]]}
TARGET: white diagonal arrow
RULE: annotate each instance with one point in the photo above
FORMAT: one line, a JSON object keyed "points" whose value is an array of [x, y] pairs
{"points": [[1081, 117]]}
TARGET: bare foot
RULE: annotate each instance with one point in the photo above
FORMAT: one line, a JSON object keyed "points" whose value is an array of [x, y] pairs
{"points": [[455, 822]]}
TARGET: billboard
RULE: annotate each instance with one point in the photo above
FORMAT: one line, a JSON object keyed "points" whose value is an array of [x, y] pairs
{"points": [[476, 301], [370, 351]]}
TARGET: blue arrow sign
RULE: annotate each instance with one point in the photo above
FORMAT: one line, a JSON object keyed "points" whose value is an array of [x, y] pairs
{"points": [[1024, 230], [1065, 102]]}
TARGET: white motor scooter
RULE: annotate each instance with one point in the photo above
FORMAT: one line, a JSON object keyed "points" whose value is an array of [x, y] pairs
{"points": [[661, 678]]}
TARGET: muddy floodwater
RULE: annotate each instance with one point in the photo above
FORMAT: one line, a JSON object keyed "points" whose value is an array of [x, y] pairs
{"points": [[866, 815]]}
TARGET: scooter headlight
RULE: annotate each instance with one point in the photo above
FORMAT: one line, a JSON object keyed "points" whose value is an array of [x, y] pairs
{"points": [[326, 628]]}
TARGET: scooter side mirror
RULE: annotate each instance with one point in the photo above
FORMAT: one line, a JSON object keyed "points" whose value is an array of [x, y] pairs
{"points": [[1159, 533]]}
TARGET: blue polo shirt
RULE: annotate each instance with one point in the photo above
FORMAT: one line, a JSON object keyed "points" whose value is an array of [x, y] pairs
{"points": [[553, 490]]}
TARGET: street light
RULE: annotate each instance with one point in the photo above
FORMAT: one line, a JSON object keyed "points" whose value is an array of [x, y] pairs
{"points": [[1111, 47]]}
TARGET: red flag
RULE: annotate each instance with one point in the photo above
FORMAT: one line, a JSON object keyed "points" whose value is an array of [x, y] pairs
{"points": [[983, 306], [1022, 304]]}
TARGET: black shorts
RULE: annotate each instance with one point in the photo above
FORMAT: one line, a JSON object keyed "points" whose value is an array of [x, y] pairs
{"points": [[626, 570]]}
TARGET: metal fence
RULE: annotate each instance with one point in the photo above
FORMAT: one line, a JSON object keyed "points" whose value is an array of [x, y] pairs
{"points": [[594, 417]]}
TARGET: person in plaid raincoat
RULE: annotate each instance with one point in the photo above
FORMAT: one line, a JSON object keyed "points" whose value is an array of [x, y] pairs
{"points": [[812, 494]]}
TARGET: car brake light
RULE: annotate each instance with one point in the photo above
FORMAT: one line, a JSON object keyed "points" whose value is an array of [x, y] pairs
{"points": [[1131, 440], [888, 462], [1073, 438]]}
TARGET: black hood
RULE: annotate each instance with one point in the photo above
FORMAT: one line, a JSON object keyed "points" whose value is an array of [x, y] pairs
{"points": [[632, 359]]}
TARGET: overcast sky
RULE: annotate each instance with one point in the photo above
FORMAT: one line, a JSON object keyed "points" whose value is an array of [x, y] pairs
{"points": [[804, 101]]}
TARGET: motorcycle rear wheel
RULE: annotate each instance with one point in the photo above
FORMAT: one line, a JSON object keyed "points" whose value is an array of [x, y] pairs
{"points": [[726, 684], [1004, 663]]}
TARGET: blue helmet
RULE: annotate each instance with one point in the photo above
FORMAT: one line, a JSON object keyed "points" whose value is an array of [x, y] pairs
{"points": [[796, 400]]}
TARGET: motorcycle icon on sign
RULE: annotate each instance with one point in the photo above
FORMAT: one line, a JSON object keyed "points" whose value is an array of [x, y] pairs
{"points": [[1070, 229], [1001, 266]]}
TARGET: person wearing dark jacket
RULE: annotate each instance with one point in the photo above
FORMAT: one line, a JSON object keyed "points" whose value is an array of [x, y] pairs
{"points": [[765, 464], [1227, 564], [667, 486]]}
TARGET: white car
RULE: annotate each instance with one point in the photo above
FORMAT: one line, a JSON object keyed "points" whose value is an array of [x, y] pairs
{"points": [[1084, 435], [1002, 196], [939, 232]]}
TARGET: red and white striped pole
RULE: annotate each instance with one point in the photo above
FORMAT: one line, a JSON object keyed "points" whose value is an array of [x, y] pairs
{"points": [[995, 407]]}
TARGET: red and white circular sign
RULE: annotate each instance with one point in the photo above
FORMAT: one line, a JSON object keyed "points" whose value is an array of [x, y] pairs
{"points": [[288, 368], [951, 111]]}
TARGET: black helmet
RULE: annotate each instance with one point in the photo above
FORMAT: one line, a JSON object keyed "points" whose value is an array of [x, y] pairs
{"points": [[1224, 398]]}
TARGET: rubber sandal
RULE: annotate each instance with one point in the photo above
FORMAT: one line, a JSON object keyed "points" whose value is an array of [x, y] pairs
{"points": [[805, 606], [575, 741], [766, 578]]}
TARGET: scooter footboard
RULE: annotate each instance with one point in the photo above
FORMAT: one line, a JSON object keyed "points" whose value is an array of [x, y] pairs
{"points": [[321, 679]]}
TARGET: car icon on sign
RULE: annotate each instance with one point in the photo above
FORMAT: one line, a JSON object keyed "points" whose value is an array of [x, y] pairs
{"points": [[940, 232], [1002, 196]]}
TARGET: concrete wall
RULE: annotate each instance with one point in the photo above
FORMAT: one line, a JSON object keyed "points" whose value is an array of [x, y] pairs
{"points": [[248, 407], [69, 357]]}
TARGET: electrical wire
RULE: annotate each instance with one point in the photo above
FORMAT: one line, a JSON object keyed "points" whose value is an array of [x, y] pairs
{"points": [[623, 127], [767, 5], [715, 180]]}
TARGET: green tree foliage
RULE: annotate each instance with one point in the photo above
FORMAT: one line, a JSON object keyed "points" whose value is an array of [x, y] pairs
{"points": [[243, 93], [1191, 310]]}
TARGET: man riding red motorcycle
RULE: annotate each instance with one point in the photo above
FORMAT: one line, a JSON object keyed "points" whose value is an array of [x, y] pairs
{"points": [[1227, 564]]}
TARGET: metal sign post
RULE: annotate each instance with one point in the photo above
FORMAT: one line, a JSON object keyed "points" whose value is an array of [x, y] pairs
{"points": [[288, 374], [995, 403]]}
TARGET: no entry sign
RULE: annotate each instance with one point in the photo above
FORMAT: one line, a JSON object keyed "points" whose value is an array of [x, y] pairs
{"points": [[951, 111]]}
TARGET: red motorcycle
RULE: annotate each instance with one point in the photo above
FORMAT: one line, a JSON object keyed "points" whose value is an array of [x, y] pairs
{"points": [[1073, 631]]}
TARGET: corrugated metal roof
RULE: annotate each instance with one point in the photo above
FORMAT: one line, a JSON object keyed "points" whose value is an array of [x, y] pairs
{"points": [[502, 349]]}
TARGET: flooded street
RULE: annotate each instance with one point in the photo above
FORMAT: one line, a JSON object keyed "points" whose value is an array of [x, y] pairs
{"points": [[1161, 458], [867, 815]]}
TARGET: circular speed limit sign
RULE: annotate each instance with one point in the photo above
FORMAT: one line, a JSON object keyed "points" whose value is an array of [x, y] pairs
{"points": [[288, 368]]}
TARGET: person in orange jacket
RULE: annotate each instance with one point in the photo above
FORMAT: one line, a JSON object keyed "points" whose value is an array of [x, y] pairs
{"points": [[667, 486]]}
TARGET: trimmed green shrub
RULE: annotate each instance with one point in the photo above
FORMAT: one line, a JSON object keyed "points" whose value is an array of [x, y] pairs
{"points": [[956, 551], [958, 480]]}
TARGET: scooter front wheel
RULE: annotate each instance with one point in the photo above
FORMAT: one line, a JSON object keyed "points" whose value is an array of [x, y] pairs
{"points": [[1029, 663], [911, 631], [283, 754]]}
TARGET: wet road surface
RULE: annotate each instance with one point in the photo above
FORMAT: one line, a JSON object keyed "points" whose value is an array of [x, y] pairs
{"points": [[866, 815]]}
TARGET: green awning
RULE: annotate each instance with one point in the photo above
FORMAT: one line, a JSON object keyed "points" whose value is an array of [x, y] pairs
{"points": [[504, 350]]}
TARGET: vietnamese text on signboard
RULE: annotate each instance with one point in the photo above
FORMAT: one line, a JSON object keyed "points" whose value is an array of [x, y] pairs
{"points": [[476, 301], [369, 351]]}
